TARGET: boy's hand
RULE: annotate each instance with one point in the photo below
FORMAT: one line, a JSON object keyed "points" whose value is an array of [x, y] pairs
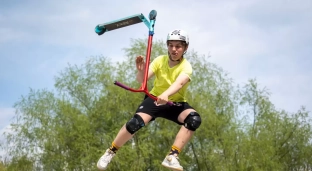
{"points": [[140, 64], [162, 100]]}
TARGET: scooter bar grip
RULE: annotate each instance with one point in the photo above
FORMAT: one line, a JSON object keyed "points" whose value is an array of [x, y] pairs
{"points": [[121, 85], [152, 15], [100, 30], [170, 103]]}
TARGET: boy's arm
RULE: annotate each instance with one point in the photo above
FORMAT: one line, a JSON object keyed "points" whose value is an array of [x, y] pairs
{"points": [[181, 80], [140, 75], [151, 71]]}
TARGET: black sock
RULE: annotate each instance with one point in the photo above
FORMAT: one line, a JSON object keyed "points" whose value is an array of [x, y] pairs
{"points": [[114, 147], [174, 150]]}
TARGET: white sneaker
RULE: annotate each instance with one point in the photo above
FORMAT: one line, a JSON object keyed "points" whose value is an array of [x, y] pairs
{"points": [[171, 162], [105, 159]]}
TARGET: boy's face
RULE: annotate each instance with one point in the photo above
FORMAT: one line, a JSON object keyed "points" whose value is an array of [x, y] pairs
{"points": [[176, 49]]}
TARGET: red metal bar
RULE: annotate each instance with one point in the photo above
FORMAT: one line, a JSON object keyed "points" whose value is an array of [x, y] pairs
{"points": [[143, 87], [147, 62]]}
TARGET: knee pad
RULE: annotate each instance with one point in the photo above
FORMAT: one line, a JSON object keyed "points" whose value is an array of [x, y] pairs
{"points": [[192, 121], [134, 124]]}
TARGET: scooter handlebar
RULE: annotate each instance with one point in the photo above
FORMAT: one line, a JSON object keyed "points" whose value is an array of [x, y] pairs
{"points": [[152, 15]]}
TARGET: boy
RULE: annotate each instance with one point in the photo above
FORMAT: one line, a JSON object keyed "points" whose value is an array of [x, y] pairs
{"points": [[173, 75]]}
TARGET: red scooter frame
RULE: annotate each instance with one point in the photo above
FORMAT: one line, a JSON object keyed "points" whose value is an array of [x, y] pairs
{"points": [[134, 19], [143, 87]]}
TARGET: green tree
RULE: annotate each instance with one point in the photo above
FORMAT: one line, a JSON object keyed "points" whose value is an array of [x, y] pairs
{"points": [[2, 166], [275, 140], [70, 127]]}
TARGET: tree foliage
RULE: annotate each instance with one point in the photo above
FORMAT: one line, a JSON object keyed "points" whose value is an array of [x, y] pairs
{"points": [[70, 127]]}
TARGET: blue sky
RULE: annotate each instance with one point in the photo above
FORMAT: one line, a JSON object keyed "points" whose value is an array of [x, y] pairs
{"points": [[267, 40]]}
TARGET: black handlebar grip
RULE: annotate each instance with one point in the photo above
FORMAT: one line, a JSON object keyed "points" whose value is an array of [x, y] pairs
{"points": [[152, 15]]}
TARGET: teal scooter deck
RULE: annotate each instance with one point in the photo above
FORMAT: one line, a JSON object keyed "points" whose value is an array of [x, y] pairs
{"points": [[127, 21]]}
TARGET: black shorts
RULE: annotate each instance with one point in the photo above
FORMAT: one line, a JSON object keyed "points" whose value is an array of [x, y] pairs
{"points": [[164, 111]]}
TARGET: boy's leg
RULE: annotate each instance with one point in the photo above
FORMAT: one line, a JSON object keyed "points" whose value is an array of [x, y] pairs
{"points": [[124, 135], [182, 138], [191, 121], [140, 119], [134, 124]]}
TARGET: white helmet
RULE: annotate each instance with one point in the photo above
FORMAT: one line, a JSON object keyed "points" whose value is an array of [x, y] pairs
{"points": [[178, 35]]}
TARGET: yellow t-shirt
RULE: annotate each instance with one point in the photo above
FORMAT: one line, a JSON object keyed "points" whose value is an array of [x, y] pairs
{"points": [[165, 76]]}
